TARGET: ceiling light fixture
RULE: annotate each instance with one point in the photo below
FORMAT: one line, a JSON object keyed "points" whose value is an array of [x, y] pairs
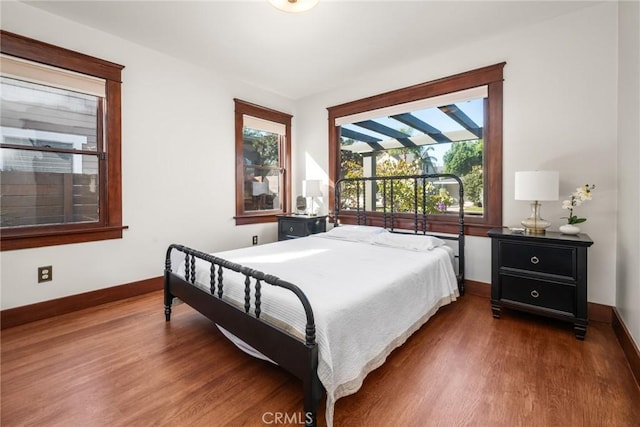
{"points": [[294, 6]]}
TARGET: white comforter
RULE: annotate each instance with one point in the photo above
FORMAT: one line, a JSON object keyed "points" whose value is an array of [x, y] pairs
{"points": [[367, 299]]}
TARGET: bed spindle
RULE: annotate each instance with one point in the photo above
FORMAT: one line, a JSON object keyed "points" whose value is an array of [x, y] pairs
{"points": [[364, 200], [186, 268], [415, 203], [358, 202], [424, 206], [219, 281], [258, 295], [247, 293], [193, 269], [212, 279], [384, 202], [392, 208]]}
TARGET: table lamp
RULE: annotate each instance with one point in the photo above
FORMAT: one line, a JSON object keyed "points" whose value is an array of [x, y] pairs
{"points": [[311, 188], [536, 186]]}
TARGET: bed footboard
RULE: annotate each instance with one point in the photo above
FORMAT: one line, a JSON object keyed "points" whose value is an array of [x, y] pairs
{"points": [[300, 357]]}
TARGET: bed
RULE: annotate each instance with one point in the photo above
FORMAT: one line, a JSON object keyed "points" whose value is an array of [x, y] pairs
{"points": [[339, 280]]}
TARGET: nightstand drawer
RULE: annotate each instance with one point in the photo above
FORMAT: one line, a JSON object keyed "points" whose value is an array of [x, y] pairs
{"points": [[541, 294], [293, 228], [538, 258]]}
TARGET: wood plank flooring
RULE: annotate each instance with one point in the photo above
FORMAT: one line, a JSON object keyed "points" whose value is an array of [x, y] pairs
{"points": [[120, 364]]}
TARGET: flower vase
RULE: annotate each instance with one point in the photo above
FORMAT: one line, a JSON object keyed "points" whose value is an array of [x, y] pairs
{"points": [[569, 229]]}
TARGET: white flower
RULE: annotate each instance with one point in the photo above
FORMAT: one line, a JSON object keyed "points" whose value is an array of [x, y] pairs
{"points": [[583, 193], [578, 197]]}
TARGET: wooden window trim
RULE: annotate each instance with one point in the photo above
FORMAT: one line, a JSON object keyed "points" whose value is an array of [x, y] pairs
{"points": [[110, 225], [242, 108], [492, 77]]}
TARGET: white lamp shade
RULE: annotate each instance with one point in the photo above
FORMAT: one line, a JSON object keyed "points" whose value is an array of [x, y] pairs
{"points": [[311, 188], [537, 185]]}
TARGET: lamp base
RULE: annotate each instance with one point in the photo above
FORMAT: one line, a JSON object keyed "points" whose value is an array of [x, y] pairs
{"points": [[535, 224]]}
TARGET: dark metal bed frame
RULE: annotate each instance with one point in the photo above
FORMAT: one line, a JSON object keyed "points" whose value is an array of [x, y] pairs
{"points": [[299, 357]]}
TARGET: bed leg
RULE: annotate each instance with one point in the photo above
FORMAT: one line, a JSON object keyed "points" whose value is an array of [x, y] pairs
{"points": [[168, 300], [312, 394]]}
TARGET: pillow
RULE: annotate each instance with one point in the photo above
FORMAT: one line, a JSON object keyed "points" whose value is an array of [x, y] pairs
{"points": [[412, 242], [355, 233]]}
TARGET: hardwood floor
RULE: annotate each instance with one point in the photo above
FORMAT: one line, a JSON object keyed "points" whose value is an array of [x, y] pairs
{"points": [[120, 364]]}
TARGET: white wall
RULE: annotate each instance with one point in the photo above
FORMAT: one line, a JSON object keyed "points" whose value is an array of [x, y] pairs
{"points": [[628, 248], [177, 166], [560, 98], [560, 113]]}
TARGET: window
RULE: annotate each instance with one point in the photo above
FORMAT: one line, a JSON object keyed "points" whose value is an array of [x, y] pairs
{"points": [[450, 125], [60, 178], [263, 162]]}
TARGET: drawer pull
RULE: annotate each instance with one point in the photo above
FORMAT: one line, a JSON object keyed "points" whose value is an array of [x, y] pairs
{"points": [[290, 229], [534, 260], [535, 293]]}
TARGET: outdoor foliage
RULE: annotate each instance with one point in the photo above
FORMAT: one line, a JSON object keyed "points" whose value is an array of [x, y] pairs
{"points": [[465, 160], [462, 157], [260, 149], [437, 199], [473, 185]]}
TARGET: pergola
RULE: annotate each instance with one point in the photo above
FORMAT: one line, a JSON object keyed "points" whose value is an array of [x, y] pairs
{"points": [[424, 133]]}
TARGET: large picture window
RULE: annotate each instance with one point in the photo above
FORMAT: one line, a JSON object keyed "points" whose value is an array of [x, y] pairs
{"points": [[59, 146], [451, 125], [262, 163]]}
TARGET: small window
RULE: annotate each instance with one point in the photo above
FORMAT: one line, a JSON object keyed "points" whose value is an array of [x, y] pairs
{"points": [[59, 146], [262, 163]]}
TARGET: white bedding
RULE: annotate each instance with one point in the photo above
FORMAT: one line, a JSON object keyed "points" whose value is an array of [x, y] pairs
{"points": [[367, 299]]}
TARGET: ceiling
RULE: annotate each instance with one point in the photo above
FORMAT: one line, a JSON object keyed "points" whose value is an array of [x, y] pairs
{"points": [[300, 55]]}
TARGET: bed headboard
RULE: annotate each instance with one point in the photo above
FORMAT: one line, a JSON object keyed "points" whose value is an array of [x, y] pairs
{"points": [[401, 204]]}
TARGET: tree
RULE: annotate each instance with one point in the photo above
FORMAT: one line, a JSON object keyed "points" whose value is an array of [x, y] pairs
{"points": [[437, 199], [473, 185], [260, 149], [462, 157], [465, 160]]}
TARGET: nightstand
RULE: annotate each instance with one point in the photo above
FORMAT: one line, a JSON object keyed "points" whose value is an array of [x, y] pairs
{"points": [[541, 274], [295, 226]]}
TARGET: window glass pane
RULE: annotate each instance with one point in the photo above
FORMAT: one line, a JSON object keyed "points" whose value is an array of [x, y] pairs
{"points": [[42, 188], [441, 139], [262, 176], [41, 116]]}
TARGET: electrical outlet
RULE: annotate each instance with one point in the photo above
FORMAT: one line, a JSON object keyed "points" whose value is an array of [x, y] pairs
{"points": [[255, 240], [45, 274]]}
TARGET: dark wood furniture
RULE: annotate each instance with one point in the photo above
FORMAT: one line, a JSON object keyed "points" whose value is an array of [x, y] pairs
{"points": [[296, 226], [543, 274], [298, 356]]}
